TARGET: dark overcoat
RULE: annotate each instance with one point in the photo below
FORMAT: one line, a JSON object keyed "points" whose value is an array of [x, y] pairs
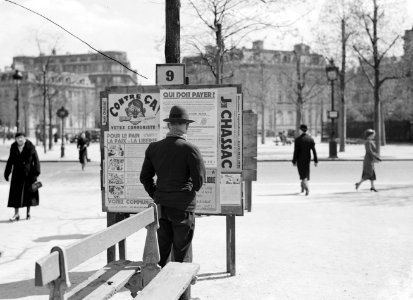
{"points": [[303, 146], [82, 144], [370, 158], [25, 168], [180, 172]]}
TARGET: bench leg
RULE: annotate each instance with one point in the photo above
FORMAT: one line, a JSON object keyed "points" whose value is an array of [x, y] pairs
{"points": [[151, 255], [57, 289]]}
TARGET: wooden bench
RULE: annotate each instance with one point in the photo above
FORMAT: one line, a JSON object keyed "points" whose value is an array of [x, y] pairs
{"points": [[144, 279]]}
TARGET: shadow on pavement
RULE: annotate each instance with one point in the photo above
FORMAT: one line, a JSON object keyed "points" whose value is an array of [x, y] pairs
{"points": [[26, 288], [60, 237], [19, 289], [285, 194], [401, 195]]}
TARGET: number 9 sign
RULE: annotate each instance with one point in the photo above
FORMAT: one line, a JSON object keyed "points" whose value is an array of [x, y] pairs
{"points": [[170, 74]]}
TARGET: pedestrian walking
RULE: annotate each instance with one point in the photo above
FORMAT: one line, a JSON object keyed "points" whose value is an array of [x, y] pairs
{"points": [[23, 163], [82, 144], [370, 158], [180, 171], [303, 145]]}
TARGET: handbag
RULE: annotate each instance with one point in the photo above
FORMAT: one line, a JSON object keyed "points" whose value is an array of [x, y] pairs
{"points": [[36, 185]]}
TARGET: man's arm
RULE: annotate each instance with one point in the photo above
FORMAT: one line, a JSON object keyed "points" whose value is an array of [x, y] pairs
{"points": [[9, 165], [314, 152], [295, 155], [196, 169], [147, 174]]}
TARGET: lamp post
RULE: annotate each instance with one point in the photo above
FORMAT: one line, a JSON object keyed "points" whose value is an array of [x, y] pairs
{"points": [[62, 113], [332, 74], [17, 77]]}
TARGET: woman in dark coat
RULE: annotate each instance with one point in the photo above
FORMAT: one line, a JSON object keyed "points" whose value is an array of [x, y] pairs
{"points": [[370, 158], [24, 165], [82, 144]]}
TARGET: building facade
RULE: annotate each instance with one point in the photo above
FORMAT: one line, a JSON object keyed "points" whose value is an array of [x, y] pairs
{"points": [[285, 88], [72, 80]]}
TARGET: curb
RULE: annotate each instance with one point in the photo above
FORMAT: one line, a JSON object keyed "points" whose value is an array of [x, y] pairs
{"points": [[258, 160], [335, 159]]}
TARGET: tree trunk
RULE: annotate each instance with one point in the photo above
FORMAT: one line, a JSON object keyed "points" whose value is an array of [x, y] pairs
{"points": [[343, 109], [383, 126], [218, 35], [262, 123], [50, 124], [44, 108], [299, 105], [298, 119], [377, 104], [377, 119], [172, 36]]}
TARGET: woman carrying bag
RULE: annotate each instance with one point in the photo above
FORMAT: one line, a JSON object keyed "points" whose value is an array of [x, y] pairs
{"points": [[24, 165]]}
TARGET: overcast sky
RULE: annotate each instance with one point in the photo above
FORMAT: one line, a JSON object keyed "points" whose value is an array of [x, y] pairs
{"points": [[133, 26]]}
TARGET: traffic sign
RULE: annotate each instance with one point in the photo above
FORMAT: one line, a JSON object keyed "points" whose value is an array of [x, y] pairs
{"points": [[62, 112], [333, 114]]}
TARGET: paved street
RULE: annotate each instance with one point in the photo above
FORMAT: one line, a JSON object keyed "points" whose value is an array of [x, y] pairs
{"points": [[334, 244]]}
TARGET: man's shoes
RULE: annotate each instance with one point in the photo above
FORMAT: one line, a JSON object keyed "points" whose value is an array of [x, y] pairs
{"points": [[28, 217]]}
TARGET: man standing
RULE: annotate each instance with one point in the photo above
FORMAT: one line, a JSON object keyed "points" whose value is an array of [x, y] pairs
{"points": [[180, 172], [302, 156]]}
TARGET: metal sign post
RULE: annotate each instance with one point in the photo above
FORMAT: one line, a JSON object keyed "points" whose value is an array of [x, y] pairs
{"points": [[62, 113]]}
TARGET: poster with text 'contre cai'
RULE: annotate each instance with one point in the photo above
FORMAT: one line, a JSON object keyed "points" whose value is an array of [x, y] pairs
{"points": [[132, 119]]}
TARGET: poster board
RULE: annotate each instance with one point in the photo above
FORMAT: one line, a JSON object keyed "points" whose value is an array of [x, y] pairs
{"points": [[131, 120]]}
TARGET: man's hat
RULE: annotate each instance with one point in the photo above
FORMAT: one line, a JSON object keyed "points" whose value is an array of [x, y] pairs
{"points": [[303, 127], [178, 114], [19, 134]]}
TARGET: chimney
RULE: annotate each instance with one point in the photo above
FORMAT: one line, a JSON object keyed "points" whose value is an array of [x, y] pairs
{"points": [[258, 45]]}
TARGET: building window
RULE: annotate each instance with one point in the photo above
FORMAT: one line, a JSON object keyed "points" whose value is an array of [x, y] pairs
{"points": [[290, 118], [279, 118]]}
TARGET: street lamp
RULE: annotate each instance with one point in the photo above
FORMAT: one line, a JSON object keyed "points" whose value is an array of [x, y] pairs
{"points": [[62, 113], [17, 77], [332, 74]]}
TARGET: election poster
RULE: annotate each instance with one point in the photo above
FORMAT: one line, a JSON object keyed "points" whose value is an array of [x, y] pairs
{"points": [[202, 106], [130, 122], [230, 125], [132, 118]]}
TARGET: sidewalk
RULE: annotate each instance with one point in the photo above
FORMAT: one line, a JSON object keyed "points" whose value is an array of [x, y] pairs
{"points": [[337, 243], [271, 152], [266, 152]]}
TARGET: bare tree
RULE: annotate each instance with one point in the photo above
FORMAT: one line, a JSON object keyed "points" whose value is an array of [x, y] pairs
{"points": [[258, 90], [305, 84], [336, 29], [229, 23], [372, 55]]}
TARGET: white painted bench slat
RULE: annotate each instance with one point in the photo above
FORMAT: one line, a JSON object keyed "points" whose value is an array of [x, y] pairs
{"points": [[47, 268], [170, 282], [106, 282]]}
